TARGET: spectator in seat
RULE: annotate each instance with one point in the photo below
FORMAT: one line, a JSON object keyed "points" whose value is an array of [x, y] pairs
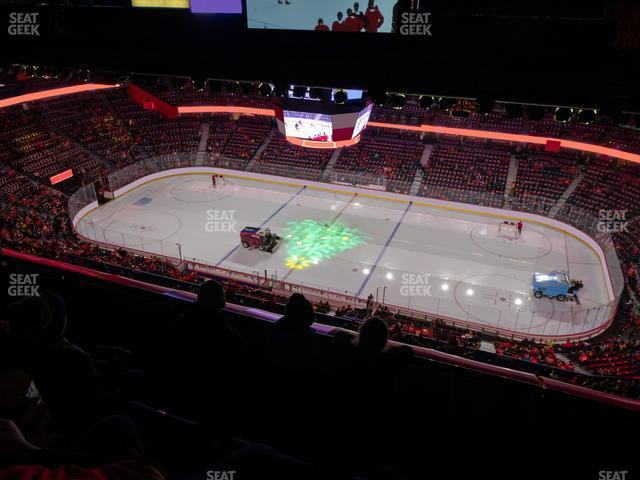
{"points": [[205, 337], [366, 371], [110, 449], [373, 336], [203, 354], [64, 374], [293, 345]]}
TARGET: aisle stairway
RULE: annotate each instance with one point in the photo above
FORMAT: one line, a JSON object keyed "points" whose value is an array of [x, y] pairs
{"points": [[566, 194], [256, 156], [205, 129]]}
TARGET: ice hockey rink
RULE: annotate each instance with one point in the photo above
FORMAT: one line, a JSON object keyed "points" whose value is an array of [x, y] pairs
{"points": [[428, 259]]}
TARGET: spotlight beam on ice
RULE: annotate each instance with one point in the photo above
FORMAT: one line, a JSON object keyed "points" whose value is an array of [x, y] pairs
{"points": [[310, 242]]}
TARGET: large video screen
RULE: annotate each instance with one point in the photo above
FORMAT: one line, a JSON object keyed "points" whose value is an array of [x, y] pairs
{"points": [[197, 6], [322, 15], [160, 3], [308, 126], [216, 6], [363, 120]]}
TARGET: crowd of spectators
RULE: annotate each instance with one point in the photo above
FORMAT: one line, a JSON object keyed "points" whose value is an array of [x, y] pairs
{"points": [[238, 138], [68, 411], [531, 352], [543, 174], [34, 217], [395, 159], [283, 158], [30, 146], [466, 174], [87, 119]]}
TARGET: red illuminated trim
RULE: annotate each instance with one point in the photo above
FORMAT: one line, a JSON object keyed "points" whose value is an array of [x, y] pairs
{"points": [[507, 137], [226, 109], [514, 137], [55, 92], [61, 176], [323, 145]]}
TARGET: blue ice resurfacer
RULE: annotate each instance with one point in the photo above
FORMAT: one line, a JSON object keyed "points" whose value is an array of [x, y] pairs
{"points": [[556, 284]]}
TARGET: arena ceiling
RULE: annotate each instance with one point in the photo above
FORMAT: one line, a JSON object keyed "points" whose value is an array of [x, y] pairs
{"points": [[582, 53]]}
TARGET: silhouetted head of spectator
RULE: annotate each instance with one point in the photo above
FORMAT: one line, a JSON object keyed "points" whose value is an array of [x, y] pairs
{"points": [[211, 297], [373, 335], [340, 16], [40, 318], [298, 313]]}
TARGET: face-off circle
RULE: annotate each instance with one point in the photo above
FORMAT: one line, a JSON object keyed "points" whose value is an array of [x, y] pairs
{"points": [[531, 245]]}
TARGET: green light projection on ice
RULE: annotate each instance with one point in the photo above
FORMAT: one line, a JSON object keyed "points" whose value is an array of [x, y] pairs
{"points": [[310, 242]]}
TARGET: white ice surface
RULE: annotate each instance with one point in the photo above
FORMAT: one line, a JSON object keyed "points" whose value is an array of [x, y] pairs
{"points": [[487, 276]]}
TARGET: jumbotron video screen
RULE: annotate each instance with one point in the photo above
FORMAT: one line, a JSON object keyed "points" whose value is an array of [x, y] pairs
{"points": [[370, 16], [309, 126]]}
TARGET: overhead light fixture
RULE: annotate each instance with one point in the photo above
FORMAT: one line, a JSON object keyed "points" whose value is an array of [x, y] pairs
{"points": [[485, 105], [426, 101], [534, 112], [586, 116], [398, 101], [299, 92], [514, 110], [563, 114], [199, 84], [265, 89], [340, 97], [315, 93], [446, 103], [380, 98]]}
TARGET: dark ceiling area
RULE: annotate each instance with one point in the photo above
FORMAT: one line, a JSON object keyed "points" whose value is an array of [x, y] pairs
{"points": [[578, 53]]}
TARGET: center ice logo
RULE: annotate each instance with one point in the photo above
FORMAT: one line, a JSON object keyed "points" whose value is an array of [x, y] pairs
{"points": [[220, 221], [415, 285]]}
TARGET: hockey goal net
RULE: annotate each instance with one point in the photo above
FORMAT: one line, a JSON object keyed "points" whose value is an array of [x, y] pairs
{"points": [[508, 229]]}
